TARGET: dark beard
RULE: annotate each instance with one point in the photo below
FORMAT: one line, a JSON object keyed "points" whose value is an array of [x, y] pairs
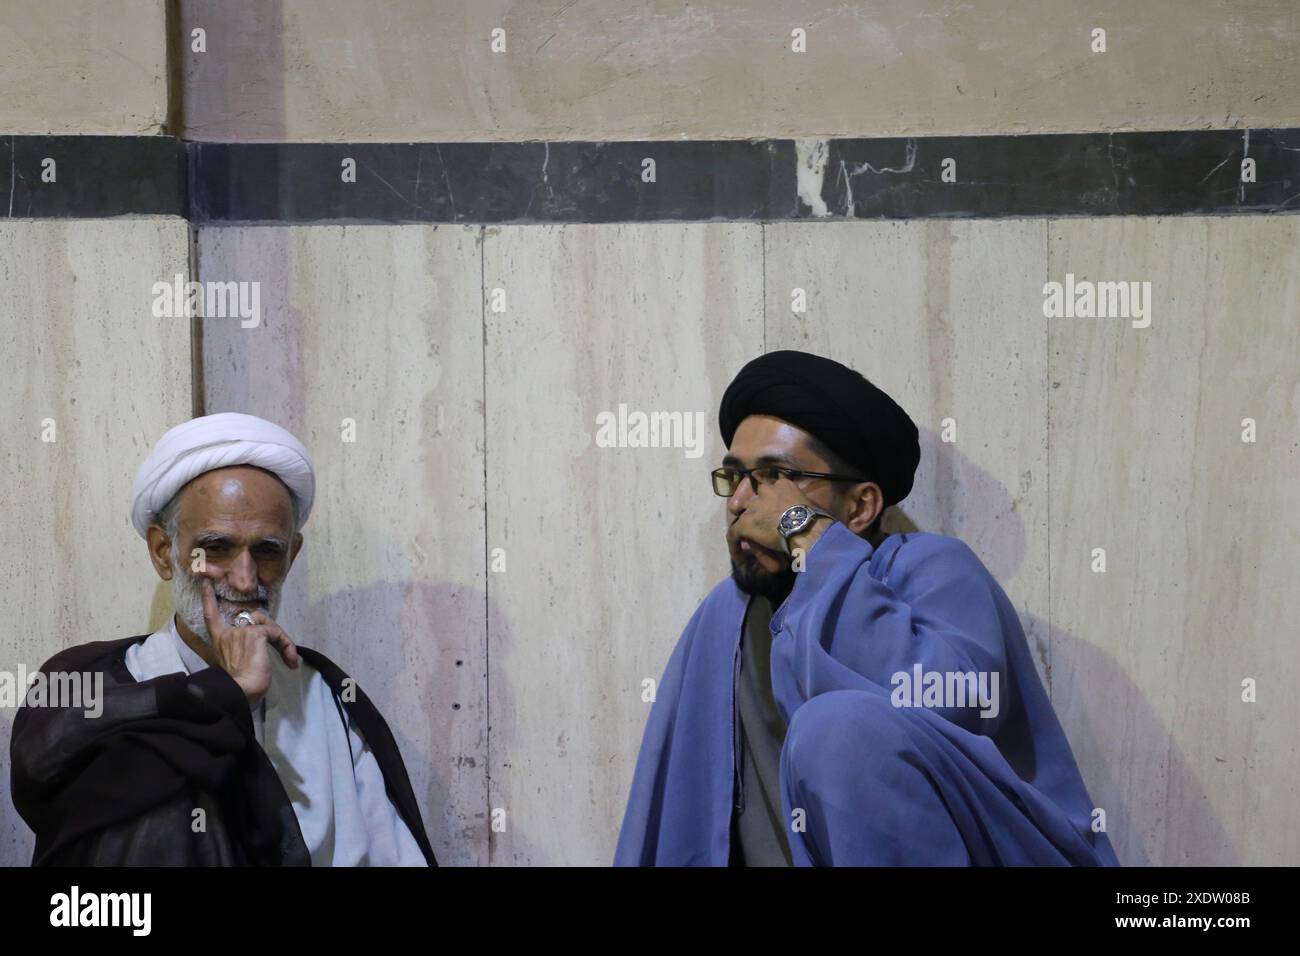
{"points": [[752, 579]]}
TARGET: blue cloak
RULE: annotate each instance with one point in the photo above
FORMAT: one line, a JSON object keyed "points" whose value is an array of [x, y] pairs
{"points": [[867, 780]]}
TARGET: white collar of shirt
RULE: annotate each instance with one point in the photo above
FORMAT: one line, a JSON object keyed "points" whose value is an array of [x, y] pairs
{"points": [[165, 652]]}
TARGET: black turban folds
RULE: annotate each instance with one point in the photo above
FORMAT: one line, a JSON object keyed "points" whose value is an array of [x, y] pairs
{"points": [[835, 405]]}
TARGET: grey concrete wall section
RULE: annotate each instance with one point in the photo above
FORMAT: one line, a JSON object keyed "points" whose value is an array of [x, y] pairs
{"points": [[406, 70], [474, 374], [370, 348], [941, 316], [96, 379], [497, 579], [1068, 434], [1200, 530], [83, 66], [608, 547], [1078, 433]]}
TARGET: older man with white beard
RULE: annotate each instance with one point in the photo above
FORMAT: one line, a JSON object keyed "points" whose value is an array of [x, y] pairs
{"points": [[221, 741]]}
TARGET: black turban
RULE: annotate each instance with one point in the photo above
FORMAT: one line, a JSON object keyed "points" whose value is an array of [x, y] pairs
{"points": [[835, 405]]}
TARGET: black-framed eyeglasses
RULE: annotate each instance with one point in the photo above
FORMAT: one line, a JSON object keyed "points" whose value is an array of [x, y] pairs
{"points": [[728, 478]]}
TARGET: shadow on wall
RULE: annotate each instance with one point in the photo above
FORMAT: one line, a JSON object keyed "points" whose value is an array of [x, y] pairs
{"points": [[955, 496], [408, 659], [386, 636], [407, 662]]}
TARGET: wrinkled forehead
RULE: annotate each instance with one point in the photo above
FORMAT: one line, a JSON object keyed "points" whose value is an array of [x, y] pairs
{"points": [[240, 498]]}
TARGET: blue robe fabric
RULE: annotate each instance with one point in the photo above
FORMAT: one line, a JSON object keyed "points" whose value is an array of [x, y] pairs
{"points": [[877, 784]]}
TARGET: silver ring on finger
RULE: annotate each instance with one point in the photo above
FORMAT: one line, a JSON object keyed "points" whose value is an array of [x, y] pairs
{"points": [[244, 619]]}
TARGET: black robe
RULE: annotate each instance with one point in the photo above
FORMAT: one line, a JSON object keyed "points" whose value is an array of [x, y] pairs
{"points": [[120, 789]]}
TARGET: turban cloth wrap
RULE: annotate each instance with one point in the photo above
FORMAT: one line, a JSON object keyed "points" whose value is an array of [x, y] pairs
{"points": [[220, 441], [835, 405]]}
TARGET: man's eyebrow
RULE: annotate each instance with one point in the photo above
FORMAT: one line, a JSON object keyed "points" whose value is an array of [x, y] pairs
{"points": [[208, 539], [776, 459]]}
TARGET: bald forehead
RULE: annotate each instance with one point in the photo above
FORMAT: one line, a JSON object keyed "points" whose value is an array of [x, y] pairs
{"points": [[240, 495]]}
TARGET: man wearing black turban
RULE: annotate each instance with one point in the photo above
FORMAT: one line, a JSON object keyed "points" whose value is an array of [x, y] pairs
{"points": [[847, 697]]}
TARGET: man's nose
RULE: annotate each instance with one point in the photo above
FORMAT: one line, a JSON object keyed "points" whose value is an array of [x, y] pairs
{"points": [[241, 573], [739, 499]]}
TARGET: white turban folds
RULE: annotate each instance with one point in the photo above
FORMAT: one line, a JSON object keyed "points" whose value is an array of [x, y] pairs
{"points": [[220, 441]]}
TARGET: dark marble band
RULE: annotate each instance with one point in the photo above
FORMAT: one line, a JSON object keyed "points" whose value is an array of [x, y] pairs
{"points": [[1083, 174], [91, 177]]}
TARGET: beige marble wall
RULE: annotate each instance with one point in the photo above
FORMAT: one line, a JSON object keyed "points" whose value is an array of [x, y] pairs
{"points": [[83, 67], [585, 561], [501, 584], [591, 69], [574, 587], [1200, 532], [608, 549], [379, 329], [88, 359], [1082, 433], [941, 316]]}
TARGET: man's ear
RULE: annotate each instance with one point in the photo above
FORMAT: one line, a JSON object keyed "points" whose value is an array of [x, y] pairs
{"points": [[295, 547], [160, 547], [866, 502]]}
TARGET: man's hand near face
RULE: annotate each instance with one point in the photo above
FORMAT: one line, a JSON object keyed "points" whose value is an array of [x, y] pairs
{"points": [[244, 652], [758, 524]]}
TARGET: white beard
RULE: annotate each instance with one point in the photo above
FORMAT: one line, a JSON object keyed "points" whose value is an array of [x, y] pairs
{"points": [[188, 598]]}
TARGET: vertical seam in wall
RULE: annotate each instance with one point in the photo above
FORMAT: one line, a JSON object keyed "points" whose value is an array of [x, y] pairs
{"points": [[173, 125], [175, 118], [198, 398], [1047, 441], [487, 571], [762, 233]]}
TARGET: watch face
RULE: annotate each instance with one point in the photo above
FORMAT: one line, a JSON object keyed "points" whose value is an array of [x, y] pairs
{"points": [[794, 518]]}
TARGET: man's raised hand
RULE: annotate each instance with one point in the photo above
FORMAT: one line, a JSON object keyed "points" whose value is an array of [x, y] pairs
{"points": [[242, 652]]}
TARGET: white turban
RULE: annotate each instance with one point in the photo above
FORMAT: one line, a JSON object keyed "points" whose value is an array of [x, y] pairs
{"points": [[220, 441]]}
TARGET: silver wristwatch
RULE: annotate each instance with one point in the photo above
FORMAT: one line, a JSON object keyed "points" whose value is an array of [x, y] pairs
{"points": [[798, 518]]}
